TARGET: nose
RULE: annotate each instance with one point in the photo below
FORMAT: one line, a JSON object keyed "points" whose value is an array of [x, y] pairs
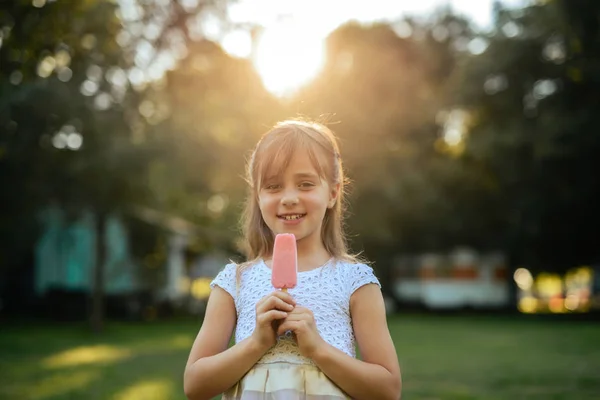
{"points": [[290, 197]]}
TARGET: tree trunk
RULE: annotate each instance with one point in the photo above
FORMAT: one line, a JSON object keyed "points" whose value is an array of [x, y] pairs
{"points": [[97, 290]]}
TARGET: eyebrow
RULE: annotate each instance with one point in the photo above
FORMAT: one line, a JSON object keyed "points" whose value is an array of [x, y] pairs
{"points": [[306, 175], [300, 175]]}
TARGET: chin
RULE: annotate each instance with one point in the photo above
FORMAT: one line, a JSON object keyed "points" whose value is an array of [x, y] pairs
{"points": [[290, 229]]}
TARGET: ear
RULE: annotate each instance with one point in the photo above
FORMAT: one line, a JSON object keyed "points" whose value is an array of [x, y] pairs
{"points": [[333, 195]]}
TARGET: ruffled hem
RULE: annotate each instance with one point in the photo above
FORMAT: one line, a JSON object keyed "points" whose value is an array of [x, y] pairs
{"points": [[285, 381]]}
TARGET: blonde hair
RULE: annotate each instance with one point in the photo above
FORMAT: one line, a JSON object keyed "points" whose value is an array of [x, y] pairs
{"points": [[275, 149]]}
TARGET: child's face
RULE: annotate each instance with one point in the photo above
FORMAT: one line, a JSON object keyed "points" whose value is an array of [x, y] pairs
{"points": [[296, 200]]}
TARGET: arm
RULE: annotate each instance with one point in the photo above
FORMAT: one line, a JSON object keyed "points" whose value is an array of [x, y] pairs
{"points": [[378, 375], [212, 368]]}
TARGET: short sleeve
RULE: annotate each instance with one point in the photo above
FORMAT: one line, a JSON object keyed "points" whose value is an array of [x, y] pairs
{"points": [[226, 280], [360, 275]]}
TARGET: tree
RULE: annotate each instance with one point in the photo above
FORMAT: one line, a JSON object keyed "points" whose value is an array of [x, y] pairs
{"points": [[531, 94], [219, 108], [384, 87], [73, 129]]}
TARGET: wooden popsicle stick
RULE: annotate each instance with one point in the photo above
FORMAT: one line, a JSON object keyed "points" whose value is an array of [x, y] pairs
{"points": [[284, 290]]}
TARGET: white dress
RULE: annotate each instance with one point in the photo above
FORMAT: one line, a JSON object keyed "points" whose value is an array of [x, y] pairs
{"points": [[283, 373]]}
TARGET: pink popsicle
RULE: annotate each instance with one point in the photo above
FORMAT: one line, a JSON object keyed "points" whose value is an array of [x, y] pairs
{"points": [[284, 269]]}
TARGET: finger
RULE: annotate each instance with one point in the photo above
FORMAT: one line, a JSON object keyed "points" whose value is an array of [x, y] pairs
{"points": [[284, 296], [264, 305], [287, 325], [303, 310], [270, 316], [292, 316], [262, 301], [281, 304], [274, 303]]}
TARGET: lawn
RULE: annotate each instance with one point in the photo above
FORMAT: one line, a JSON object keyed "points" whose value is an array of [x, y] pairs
{"points": [[447, 357]]}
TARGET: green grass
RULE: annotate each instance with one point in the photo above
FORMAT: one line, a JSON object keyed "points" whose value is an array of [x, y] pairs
{"points": [[441, 357]]}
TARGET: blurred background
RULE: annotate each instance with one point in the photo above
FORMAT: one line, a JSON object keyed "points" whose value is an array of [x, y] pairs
{"points": [[469, 130]]}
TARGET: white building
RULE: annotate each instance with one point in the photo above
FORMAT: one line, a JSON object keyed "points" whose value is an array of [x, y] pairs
{"points": [[460, 279]]}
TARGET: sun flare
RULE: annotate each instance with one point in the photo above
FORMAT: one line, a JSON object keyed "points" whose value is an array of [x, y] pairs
{"points": [[287, 57]]}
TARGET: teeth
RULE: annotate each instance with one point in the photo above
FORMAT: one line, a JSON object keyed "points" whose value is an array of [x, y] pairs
{"points": [[291, 217]]}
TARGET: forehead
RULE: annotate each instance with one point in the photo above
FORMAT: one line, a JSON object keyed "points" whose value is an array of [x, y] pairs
{"points": [[299, 163], [294, 160]]}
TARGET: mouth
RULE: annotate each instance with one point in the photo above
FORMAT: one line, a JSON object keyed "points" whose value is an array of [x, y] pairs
{"points": [[291, 217]]}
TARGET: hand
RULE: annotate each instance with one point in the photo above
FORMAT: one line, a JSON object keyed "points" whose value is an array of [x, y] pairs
{"points": [[269, 311], [301, 322]]}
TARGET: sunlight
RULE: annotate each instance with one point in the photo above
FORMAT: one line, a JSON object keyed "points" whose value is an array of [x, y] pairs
{"points": [[180, 342], [288, 56], [60, 384], [290, 51], [238, 43], [85, 355], [147, 390]]}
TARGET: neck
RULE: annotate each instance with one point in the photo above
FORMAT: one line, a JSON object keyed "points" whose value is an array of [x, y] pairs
{"points": [[311, 253]]}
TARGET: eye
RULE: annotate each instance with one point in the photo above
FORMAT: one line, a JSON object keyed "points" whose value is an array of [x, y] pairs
{"points": [[306, 185], [272, 186]]}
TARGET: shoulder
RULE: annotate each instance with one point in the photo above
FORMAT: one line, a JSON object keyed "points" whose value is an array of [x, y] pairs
{"points": [[353, 268], [356, 275], [228, 270], [238, 271], [226, 279]]}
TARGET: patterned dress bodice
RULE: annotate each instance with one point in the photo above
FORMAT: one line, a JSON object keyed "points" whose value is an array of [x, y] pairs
{"points": [[326, 291]]}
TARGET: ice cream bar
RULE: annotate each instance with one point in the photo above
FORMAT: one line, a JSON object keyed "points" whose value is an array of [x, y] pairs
{"points": [[284, 269]]}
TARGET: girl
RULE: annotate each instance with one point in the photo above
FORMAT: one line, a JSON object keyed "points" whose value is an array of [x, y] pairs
{"points": [[299, 344]]}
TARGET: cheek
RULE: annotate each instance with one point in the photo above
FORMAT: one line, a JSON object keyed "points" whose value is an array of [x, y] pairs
{"points": [[317, 200], [261, 204], [266, 202]]}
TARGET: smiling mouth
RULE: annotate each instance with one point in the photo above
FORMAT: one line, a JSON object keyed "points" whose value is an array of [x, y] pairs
{"points": [[290, 217]]}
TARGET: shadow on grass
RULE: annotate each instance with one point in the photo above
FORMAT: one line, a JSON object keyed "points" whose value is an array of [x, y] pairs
{"points": [[441, 357], [127, 362]]}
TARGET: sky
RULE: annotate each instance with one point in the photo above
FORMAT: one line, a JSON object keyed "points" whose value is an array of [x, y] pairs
{"points": [[291, 48], [325, 15]]}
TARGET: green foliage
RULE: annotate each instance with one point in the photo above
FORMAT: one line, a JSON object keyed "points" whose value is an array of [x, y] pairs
{"points": [[46, 54], [519, 177], [75, 125], [536, 130]]}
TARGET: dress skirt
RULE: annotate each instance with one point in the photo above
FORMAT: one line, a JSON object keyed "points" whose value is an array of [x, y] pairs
{"points": [[285, 381]]}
